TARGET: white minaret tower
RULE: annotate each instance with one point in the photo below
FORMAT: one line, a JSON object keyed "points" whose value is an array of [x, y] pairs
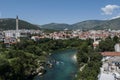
{"points": [[94, 36], [16, 23], [17, 31]]}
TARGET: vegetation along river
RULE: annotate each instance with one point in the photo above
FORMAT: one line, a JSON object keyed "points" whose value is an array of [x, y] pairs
{"points": [[64, 66]]}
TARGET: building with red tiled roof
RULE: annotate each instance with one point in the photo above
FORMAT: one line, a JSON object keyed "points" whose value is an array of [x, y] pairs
{"points": [[110, 53]]}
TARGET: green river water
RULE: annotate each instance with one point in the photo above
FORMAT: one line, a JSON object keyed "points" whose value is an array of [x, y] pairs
{"points": [[64, 66]]}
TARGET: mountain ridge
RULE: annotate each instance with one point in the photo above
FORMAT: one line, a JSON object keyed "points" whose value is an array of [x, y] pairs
{"points": [[88, 24], [10, 24]]}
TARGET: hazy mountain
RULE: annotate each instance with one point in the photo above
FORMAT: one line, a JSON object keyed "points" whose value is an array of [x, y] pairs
{"points": [[112, 24], [9, 23], [89, 24], [56, 26]]}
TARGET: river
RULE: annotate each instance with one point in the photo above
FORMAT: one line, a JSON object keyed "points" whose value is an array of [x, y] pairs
{"points": [[64, 66]]}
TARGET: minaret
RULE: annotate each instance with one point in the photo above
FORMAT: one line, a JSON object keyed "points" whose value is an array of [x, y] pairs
{"points": [[94, 36], [17, 31], [16, 23]]}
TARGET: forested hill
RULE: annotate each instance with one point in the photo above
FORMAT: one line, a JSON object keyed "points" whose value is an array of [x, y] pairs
{"points": [[88, 24], [55, 26], [10, 24]]}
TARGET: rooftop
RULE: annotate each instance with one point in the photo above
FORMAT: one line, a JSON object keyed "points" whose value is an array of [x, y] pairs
{"points": [[110, 53], [106, 76]]}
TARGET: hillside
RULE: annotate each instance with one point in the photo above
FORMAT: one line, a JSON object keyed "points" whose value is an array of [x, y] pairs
{"points": [[9, 24], [111, 24], [88, 24], [56, 26]]}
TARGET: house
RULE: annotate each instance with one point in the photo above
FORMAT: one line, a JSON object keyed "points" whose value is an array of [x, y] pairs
{"points": [[117, 47], [110, 53]]}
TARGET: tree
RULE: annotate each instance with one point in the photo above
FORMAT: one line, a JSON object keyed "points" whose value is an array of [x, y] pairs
{"points": [[116, 39], [107, 45]]}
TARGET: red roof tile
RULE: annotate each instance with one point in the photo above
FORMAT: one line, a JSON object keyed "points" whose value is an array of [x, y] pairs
{"points": [[110, 53]]}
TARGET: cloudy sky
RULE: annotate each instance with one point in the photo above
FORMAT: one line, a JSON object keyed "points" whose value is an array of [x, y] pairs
{"points": [[60, 11]]}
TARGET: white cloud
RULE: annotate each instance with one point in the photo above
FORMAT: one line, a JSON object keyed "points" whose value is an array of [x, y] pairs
{"points": [[118, 16], [108, 9]]}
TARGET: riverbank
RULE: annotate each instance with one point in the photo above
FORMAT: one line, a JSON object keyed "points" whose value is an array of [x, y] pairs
{"points": [[89, 62]]}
